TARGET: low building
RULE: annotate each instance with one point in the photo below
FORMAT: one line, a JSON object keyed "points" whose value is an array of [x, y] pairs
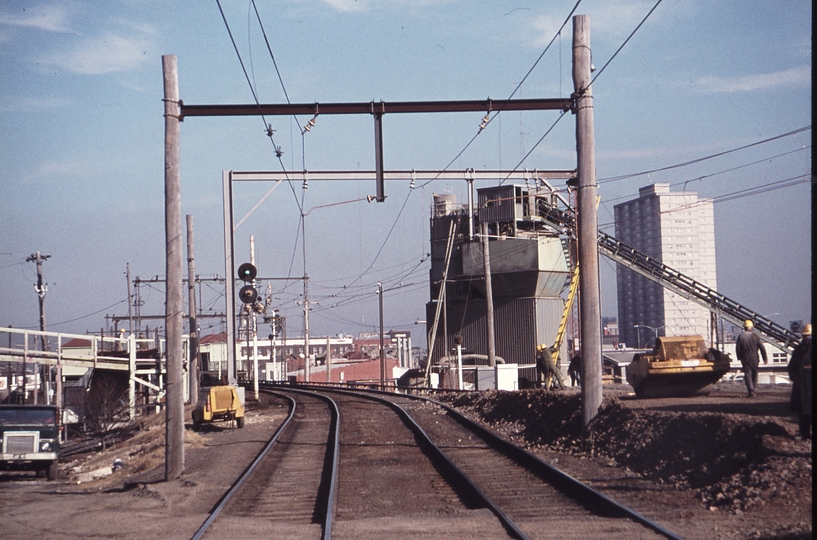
{"points": [[281, 358]]}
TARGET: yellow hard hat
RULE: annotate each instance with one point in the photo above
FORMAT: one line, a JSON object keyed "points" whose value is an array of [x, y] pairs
{"points": [[807, 330], [748, 324], [541, 347]]}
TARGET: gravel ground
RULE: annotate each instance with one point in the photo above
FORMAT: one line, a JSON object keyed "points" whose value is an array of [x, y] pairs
{"points": [[720, 466]]}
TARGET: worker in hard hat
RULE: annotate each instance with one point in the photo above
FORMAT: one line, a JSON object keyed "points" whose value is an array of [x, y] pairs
{"points": [[800, 375], [546, 370], [746, 347]]}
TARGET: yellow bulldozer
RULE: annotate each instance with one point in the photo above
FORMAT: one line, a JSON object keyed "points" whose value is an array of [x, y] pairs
{"points": [[679, 366]]}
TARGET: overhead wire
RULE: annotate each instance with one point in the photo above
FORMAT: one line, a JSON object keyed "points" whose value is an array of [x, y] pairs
{"points": [[51, 324], [394, 278], [513, 93], [268, 127], [583, 89], [354, 297], [399, 214], [705, 158], [717, 173], [755, 190], [274, 63], [647, 16], [397, 218], [303, 131], [724, 171]]}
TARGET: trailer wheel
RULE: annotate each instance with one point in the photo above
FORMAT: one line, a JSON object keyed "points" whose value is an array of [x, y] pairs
{"points": [[51, 472], [196, 425], [239, 422]]}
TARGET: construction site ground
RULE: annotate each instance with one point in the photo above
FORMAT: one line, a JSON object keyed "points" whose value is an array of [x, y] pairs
{"points": [[717, 466]]}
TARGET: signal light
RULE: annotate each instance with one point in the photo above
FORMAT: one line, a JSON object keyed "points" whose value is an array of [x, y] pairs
{"points": [[248, 294], [247, 272]]}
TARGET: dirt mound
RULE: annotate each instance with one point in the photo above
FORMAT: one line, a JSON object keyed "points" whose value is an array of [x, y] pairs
{"points": [[731, 461]]}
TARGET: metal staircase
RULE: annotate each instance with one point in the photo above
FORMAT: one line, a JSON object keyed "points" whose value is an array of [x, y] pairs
{"points": [[675, 281]]}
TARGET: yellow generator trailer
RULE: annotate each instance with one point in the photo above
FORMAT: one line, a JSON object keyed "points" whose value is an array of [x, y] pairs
{"points": [[679, 366], [218, 403]]}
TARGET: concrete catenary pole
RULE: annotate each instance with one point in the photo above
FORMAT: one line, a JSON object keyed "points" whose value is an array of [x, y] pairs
{"points": [[590, 303], [489, 295], [174, 425], [306, 329], [382, 352], [328, 359], [193, 372], [251, 317], [130, 301]]}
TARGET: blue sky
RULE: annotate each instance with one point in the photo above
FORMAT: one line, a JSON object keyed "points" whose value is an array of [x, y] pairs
{"points": [[82, 134]]}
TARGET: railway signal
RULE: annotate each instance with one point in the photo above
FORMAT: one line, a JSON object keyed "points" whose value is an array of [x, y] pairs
{"points": [[248, 294], [247, 273]]}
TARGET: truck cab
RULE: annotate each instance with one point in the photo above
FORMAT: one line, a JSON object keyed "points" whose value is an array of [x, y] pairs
{"points": [[31, 438]]}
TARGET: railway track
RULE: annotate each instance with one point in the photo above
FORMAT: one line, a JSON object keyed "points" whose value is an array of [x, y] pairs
{"points": [[407, 467], [288, 491]]}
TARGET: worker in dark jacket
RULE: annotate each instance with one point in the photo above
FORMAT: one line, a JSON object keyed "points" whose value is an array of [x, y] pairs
{"points": [[800, 376], [746, 347], [575, 370]]}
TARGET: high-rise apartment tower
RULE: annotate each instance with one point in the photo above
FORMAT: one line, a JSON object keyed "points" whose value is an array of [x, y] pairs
{"points": [[677, 229]]}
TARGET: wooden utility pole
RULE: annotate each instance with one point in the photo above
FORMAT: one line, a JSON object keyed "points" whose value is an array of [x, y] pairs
{"points": [[41, 288], [489, 295], [193, 371], [590, 298], [174, 425]]}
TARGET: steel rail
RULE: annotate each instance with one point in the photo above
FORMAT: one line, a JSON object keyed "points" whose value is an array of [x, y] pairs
{"points": [[441, 458], [333, 443], [241, 479], [566, 483]]}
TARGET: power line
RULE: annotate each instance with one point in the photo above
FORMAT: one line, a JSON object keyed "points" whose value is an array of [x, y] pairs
{"points": [[268, 127], [542, 138], [488, 119], [621, 46], [591, 81], [274, 63], [756, 190], [90, 314], [588, 86], [724, 171], [705, 158]]}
